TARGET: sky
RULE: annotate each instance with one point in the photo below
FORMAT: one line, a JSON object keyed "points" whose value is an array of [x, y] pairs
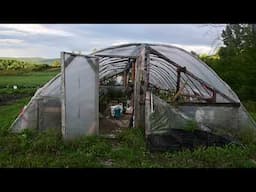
{"points": [[48, 40]]}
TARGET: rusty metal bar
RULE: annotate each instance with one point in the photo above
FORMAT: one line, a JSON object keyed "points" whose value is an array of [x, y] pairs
{"points": [[190, 74]]}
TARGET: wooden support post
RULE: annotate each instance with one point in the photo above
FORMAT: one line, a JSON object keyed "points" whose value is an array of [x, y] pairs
{"points": [[147, 112], [179, 91], [147, 68], [178, 81], [137, 92], [148, 106], [143, 88], [179, 70], [140, 90], [214, 96], [133, 72], [125, 79]]}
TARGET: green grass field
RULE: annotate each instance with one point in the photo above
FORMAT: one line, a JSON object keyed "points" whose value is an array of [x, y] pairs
{"points": [[32, 79], [27, 83], [8, 113], [47, 149]]}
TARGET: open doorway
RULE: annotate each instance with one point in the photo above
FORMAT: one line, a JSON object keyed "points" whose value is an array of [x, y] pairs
{"points": [[116, 106]]}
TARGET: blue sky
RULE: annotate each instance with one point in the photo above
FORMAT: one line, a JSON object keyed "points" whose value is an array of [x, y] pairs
{"points": [[48, 40]]}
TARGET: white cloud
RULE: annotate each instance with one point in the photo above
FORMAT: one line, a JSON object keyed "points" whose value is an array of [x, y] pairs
{"points": [[50, 39], [120, 42], [200, 49], [29, 50], [10, 41], [35, 29], [10, 32]]}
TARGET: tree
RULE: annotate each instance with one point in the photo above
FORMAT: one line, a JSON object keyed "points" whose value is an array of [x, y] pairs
{"points": [[235, 62], [94, 50], [238, 38], [56, 63]]}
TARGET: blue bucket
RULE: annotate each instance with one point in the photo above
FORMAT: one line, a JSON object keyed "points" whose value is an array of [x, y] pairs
{"points": [[117, 112]]}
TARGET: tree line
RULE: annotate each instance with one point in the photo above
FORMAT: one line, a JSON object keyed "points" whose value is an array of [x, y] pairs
{"points": [[235, 61], [18, 65]]}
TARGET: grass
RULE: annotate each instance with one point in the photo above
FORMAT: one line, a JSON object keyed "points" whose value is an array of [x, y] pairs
{"points": [[31, 79], [191, 126], [253, 116], [27, 83], [47, 149], [8, 113]]}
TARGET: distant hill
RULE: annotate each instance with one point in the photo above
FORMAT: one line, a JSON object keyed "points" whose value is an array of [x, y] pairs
{"points": [[35, 60]]}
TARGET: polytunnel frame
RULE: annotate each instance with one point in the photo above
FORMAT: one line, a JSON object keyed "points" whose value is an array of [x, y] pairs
{"points": [[144, 69], [146, 104], [185, 71], [147, 73], [165, 80]]}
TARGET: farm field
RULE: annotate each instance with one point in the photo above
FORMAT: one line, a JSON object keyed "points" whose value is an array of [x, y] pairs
{"points": [[31, 79], [26, 84]]}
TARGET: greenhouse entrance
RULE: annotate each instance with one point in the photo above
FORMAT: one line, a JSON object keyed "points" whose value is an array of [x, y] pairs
{"points": [[116, 102]]}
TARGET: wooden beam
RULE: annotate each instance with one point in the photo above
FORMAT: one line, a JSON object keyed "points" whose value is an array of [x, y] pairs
{"points": [[190, 74], [140, 90], [115, 56], [178, 81], [179, 92], [210, 104]]}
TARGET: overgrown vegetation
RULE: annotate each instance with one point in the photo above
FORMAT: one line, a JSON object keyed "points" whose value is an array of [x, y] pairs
{"points": [[191, 126], [27, 64], [235, 62], [47, 149], [15, 65]]}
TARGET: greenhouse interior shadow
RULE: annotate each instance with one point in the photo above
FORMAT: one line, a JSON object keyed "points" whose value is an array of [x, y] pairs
{"points": [[115, 108]]}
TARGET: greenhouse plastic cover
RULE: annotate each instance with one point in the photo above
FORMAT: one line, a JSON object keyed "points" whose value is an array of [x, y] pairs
{"points": [[45, 106], [44, 109], [161, 72], [219, 120], [80, 96]]}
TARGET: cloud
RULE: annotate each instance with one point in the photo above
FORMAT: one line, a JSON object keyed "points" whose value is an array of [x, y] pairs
{"points": [[48, 40], [32, 29], [10, 41], [120, 42], [169, 33], [46, 52], [200, 49], [5, 32]]}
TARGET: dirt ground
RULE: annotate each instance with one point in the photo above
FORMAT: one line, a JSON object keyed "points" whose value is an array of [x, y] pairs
{"points": [[111, 126]]}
